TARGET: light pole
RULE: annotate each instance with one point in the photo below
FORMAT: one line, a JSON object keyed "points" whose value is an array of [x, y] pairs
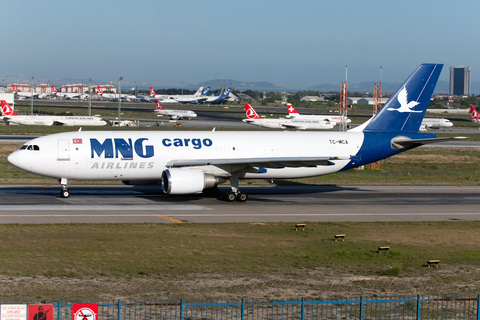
{"points": [[119, 97], [31, 98], [90, 98]]}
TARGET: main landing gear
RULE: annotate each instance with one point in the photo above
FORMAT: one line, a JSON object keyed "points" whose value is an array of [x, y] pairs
{"points": [[235, 194], [64, 193]]}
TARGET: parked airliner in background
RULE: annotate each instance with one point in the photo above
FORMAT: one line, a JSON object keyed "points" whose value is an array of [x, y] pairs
{"points": [[173, 114], [475, 115], [114, 96], [194, 161], [24, 95], [300, 124], [162, 97], [198, 97], [435, 123], [220, 98], [334, 120], [68, 95], [10, 116]]}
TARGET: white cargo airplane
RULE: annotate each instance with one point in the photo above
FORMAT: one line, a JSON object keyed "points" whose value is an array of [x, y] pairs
{"points": [[10, 116], [194, 161], [301, 124], [173, 114], [334, 120], [435, 123], [475, 115], [68, 95]]}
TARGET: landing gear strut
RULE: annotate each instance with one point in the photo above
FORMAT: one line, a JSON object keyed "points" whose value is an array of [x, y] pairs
{"points": [[64, 193], [235, 194]]}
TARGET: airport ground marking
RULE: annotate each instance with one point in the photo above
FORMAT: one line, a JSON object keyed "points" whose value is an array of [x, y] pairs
{"points": [[172, 219]]}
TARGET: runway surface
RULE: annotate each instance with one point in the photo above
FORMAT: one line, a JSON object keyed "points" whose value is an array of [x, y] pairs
{"points": [[298, 203]]}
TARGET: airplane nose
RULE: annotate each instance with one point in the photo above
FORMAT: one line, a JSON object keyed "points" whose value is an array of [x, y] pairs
{"points": [[14, 158]]}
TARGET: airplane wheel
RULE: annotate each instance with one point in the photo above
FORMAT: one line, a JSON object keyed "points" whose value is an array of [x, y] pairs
{"points": [[65, 193], [230, 196], [242, 197]]}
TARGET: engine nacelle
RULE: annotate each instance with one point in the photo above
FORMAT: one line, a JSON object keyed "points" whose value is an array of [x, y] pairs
{"points": [[186, 181]]}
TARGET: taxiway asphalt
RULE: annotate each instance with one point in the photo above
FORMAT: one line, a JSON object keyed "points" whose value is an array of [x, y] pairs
{"points": [[298, 203]]}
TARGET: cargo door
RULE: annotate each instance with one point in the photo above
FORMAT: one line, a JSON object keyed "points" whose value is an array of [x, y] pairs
{"points": [[63, 150]]}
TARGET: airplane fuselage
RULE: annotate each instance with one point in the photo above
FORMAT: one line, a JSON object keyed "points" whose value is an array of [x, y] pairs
{"points": [[176, 114], [56, 120], [139, 155], [334, 120], [301, 124], [435, 123]]}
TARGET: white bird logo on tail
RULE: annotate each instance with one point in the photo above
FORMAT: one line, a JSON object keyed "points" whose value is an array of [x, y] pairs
{"points": [[405, 106]]}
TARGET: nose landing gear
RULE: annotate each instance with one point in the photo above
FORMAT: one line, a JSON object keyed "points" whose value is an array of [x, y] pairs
{"points": [[64, 193]]}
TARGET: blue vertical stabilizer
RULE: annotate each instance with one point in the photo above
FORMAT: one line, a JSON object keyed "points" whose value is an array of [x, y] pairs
{"points": [[405, 110]]}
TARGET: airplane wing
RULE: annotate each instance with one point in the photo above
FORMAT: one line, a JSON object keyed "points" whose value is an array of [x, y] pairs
{"points": [[288, 125], [278, 162], [400, 143]]}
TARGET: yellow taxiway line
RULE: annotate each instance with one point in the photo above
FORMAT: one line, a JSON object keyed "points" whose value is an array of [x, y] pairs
{"points": [[172, 219]]}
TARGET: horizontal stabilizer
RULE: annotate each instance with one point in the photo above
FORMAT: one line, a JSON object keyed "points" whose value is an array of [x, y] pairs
{"points": [[401, 142], [277, 162]]}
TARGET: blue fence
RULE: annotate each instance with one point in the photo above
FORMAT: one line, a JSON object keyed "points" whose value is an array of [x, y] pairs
{"points": [[416, 307]]}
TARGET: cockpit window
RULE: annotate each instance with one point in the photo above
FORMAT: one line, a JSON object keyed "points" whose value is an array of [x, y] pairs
{"points": [[33, 147]]}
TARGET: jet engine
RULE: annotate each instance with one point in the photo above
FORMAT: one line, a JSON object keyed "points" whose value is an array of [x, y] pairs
{"points": [[186, 181]]}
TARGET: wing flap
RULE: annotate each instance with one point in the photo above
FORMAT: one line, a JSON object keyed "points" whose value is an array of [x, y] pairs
{"points": [[279, 162]]}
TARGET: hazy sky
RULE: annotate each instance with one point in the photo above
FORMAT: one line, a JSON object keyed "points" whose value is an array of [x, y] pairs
{"points": [[290, 43]]}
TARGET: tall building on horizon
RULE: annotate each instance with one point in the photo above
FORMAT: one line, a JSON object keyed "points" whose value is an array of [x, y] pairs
{"points": [[459, 81]]}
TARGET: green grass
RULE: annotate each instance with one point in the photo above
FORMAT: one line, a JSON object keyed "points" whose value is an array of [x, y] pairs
{"points": [[273, 248], [238, 259]]}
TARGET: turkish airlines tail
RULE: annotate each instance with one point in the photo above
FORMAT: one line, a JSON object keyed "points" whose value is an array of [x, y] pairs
{"points": [[291, 110], [7, 110], [158, 105], [54, 90], [14, 88], [251, 113], [152, 92], [99, 90], [475, 115]]}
